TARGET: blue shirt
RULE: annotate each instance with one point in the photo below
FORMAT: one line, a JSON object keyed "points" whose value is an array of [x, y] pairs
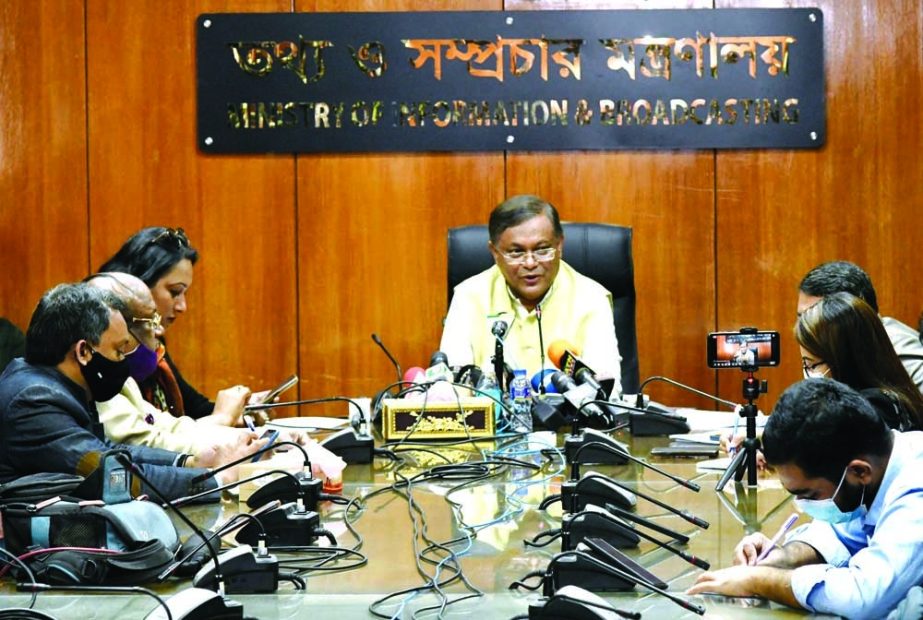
{"points": [[872, 562]]}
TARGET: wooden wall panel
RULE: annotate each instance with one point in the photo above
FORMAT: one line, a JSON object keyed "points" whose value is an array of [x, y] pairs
{"points": [[43, 205], [858, 198], [303, 257], [372, 246], [145, 169]]}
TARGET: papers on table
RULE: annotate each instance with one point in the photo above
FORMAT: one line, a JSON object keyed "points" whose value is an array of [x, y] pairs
{"points": [[704, 421], [308, 423]]}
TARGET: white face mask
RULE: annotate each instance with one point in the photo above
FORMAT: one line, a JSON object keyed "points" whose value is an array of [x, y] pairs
{"points": [[827, 510], [813, 373]]}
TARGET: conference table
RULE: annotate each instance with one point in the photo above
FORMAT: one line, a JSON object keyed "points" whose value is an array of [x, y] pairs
{"points": [[484, 524]]}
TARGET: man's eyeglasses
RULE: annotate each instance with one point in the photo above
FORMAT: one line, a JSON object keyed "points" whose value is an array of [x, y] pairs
{"points": [[151, 323], [518, 257], [172, 235]]}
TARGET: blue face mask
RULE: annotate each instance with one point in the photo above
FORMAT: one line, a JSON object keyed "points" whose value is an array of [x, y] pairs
{"points": [[827, 510]]}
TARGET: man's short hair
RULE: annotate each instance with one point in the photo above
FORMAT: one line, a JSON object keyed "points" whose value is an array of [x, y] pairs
{"points": [[65, 315], [820, 425], [840, 277], [516, 210]]}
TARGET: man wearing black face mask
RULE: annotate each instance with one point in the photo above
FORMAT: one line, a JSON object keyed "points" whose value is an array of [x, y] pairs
{"points": [[860, 481], [76, 348], [128, 418]]}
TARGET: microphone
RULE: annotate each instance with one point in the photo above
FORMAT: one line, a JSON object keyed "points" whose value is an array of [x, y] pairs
{"points": [[541, 345], [414, 374], [438, 369], [499, 329], [604, 569], [561, 353], [639, 402], [610, 445], [211, 472], [306, 489], [382, 346], [627, 568], [246, 572], [353, 446], [376, 400], [598, 522], [576, 395], [541, 382], [575, 602], [684, 514], [595, 522], [195, 605]]}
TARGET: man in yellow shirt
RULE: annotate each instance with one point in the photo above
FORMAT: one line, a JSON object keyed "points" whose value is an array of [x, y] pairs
{"points": [[530, 288]]}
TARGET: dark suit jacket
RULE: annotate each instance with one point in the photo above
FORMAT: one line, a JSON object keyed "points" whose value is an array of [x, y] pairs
{"points": [[47, 425]]}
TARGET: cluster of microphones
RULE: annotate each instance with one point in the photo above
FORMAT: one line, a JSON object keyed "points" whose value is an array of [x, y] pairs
{"points": [[568, 393]]}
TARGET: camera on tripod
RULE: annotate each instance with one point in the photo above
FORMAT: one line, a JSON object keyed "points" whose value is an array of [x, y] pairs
{"points": [[748, 350]]}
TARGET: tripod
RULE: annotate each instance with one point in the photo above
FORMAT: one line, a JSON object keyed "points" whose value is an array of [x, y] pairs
{"points": [[745, 459]]}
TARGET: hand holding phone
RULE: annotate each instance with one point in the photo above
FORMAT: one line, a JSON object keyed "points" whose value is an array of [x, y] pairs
{"points": [[289, 382], [271, 435]]}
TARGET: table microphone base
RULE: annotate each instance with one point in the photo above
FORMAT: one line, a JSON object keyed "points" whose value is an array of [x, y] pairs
{"points": [[199, 604]]}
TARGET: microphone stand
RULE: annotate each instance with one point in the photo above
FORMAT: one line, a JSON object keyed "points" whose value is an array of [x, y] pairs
{"points": [[381, 345], [639, 403], [192, 604], [575, 465], [499, 331], [307, 489], [683, 514], [541, 348], [350, 444], [590, 562]]}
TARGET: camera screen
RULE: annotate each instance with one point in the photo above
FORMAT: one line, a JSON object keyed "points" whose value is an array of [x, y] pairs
{"points": [[737, 350]]}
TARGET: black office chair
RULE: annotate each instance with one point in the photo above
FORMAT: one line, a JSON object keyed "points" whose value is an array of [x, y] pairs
{"points": [[599, 251], [12, 343]]}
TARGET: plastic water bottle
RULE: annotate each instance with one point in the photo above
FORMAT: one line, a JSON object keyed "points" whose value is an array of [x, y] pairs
{"points": [[520, 403]]}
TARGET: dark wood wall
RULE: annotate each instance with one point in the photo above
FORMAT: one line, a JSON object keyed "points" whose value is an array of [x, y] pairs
{"points": [[303, 257]]}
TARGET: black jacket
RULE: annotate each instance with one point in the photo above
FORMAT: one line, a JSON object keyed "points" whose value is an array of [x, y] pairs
{"points": [[47, 425]]}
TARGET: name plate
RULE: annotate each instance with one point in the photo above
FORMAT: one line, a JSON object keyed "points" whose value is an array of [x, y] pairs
{"points": [[510, 80], [416, 419]]}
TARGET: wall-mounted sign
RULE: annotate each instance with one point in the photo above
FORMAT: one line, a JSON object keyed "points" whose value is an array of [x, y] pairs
{"points": [[531, 80]]}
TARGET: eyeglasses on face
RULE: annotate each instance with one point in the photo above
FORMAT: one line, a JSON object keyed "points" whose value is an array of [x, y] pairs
{"points": [[518, 257], [172, 235], [152, 323], [809, 369]]}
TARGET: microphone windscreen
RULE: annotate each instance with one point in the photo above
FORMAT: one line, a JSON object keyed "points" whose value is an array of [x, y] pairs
{"points": [[557, 349], [544, 377], [414, 374], [438, 358]]}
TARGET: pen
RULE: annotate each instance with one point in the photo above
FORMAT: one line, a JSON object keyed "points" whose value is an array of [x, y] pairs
{"points": [[775, 539], [249, 422], [732, 449]]}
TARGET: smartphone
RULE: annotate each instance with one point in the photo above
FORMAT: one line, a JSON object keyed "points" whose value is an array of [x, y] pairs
{"points": [[743, 349], [270, 434], [290, 382]]}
